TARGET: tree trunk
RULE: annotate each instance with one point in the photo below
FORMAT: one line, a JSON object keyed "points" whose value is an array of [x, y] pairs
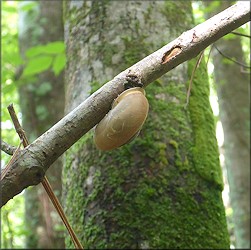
{"points": [[42, 105], [163, 189], [233, 87]]}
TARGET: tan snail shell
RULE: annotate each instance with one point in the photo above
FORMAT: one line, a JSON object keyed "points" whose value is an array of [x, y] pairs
{"points": [[123, 121]]}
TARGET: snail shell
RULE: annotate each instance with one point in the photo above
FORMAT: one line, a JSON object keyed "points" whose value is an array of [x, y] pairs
{"points": [[123, 121]]}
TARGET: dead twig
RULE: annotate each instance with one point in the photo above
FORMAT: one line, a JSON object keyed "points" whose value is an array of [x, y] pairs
{"points": [[231, 59], [192, 76], [6, 148], [13, 158], [45, 181]]}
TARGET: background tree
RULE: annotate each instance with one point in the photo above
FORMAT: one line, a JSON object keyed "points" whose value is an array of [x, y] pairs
{"points": [[232, 85], [42, 105], [13, 230], [163, 190]]}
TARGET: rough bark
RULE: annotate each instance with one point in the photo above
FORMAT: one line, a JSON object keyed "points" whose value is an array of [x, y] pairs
{"points": [[162, 190], [40, 110], [33, 162], [233, 87]]}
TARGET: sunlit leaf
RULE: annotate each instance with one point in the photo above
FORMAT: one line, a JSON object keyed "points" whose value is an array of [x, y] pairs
{"points": [[49, 48], [34, 51], [8, 88], [59, 64], [37, 65], [28, 6], [55, 47], [10, 9]]}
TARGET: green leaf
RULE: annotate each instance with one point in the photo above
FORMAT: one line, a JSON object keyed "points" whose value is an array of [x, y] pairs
{"points": [[37, 65], [55, 47], [28, 6], [10, 9], [49, 48], [59, 64], [34, 51], [8, 88], [12, 58]]}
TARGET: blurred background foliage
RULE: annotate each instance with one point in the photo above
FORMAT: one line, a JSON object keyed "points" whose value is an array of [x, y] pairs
{"points": [[52, 57], [15, 71]]}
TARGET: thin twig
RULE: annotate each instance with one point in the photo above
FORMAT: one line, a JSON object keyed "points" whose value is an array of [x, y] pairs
{"points": [[14, 156], [60, 210], [45, 181], [229, 58], [192, 76], [17, 125], [6, 148], [240, 34]]}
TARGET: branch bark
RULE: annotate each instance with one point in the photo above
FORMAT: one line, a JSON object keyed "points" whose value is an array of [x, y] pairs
{"points": [[34, 160], [8, 149]]}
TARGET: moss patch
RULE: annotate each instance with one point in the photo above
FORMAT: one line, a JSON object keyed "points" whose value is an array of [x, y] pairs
{"points": [[150, 193], [146, 192], [205, 150]]}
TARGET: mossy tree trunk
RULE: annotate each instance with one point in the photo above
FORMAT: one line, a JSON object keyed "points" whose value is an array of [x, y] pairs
{"points": [[42, 105], [233, 87], [162, 190]]}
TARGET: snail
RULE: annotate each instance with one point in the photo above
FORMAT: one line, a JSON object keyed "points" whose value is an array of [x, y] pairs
{"points": [[124, 121]]}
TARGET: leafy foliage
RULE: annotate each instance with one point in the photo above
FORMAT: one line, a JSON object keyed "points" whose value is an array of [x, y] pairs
{"points": [[43, 57], [12, 214], [10, 56], [12, 226], [40, 58]]}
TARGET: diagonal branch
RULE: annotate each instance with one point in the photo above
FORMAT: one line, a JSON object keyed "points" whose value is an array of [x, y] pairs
{"points": [[34, 160]]}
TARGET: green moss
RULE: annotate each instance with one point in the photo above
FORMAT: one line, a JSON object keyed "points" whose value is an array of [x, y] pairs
{"points": [[74, 200], [106, 52], [135, 48], [149, 200], [174, 144], [205, 150], [177, 14], [161, 157], [148, 192]]}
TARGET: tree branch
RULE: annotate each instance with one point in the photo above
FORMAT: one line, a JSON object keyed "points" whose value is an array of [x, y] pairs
{"points": [[8, 149], [35, 159], [231, 59], [240, 34]]}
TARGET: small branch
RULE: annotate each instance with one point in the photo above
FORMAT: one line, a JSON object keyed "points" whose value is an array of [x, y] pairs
{"points": [[244, 71], [13, 158], [17, 125], [192, 76], [6, 148], [240, 34], [45, 181], [230, 59]]}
